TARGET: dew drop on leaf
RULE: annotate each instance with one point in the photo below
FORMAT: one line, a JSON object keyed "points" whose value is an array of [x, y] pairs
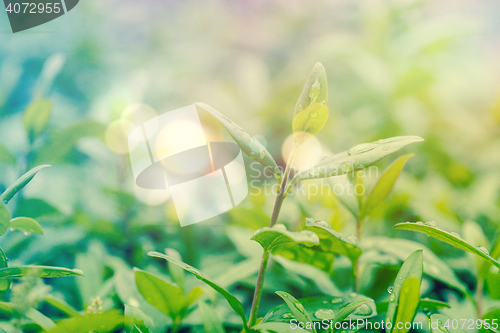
{"points": [[325, 314], [363, 310], [431, 224], [392, 298], [287, 316], [362, 148], [454, 234], [390, 289], [483, 249], [313, 115], [336, 300], [346, 166]]}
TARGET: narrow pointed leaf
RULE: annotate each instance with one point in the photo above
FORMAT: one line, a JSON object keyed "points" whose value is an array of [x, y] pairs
{"points": [[20, 183], [4, 283], [36, 118], [211, 322], [233, 301], [92, 322], [38, 271], [315, 90], [309, 122], [384, 185], [298, 310], [4, 218], [6, 156], [411, 268], [26, 224], [40, 319], [176, 273], [251, 146], [409, 297], [332, 241], [489, 326], [356, 158], [61, 305], [432, 230]]}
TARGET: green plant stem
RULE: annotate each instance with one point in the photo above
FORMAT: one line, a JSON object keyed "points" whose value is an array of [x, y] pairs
{"points": [[265, 257], [479, 297], [355, 268]]}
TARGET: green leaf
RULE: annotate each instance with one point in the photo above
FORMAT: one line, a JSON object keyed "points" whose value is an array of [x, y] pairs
{"points": [[408, 301], [61, 144], [427, 304], [40, 319], [20, 183], [250, 146], [333, 241], [136, 321], [34, 208], [93, 322], [352, 306], [36, 118], [4, 283], [494, 314], [311, 256], [211, 322], [387, 251], [61, 305], [38, 271], [4, 218], [298, 310], [6, 156], [26, 224], [309, 122], [315, 90], [233, 301], [442, 324], [176, 273], [411, 268], [269, 238], [431, 229], [271, 327], [356, 158], [165, 297], [384, 185]]}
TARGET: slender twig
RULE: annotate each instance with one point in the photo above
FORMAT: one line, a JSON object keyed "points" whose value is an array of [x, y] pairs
{"points": [[265, 257]]}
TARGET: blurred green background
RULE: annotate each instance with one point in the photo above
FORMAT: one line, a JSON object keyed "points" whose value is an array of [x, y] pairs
{"points": [[426, 68]]}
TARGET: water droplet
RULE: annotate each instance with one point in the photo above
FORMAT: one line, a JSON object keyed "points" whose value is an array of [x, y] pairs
{"points": [[387, 320], [420, 223], [11, 229], [323, 224], [362, 148], [324, 314], [287, 315], [262, 154], [392, 298], [363, 310], [400, 278], [352, 295], [483, 249], [253, 154], [353, 239], [346, 166], [336, 300], [431, 224], [325, 302], [26, 233], [386, 148], [313, 115], [454, 234], [390, 289], [314, 90]]}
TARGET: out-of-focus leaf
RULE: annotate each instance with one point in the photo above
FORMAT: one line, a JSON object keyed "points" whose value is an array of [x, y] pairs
{"points": [[176, 273], [211, 322], [333, 241], [356, 158], [494, 314], [20, 183], [359, 306], [233, 301], [4, 283], [34, 208], [92, 322], [136, 321], [409, 298], [4, 218], [401, 249], [26, 224], [298, 310], [6, 156], [431, 229], [384, 185], [60, 144], [411, 268], [251, 146], [61, 305], [40, 319], [443, 324], [272, 327], [309, 122], [36, 118], [269, 238], [38, 271], [315, 90]]}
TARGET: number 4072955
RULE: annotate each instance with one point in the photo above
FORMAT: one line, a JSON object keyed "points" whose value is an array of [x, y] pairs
{"points": [[34, 8]]}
